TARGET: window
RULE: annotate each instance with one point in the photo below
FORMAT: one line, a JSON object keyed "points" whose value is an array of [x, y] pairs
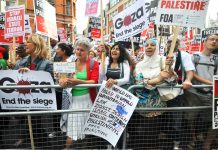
{"points": [[113, 14], [10, 2], [113, 3], [68, 7]]}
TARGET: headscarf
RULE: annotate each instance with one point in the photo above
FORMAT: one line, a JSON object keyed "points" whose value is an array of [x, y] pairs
{"points": [[149, 67]]}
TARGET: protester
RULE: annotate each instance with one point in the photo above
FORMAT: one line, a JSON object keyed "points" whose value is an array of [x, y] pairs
{"points": [[36, 60], [183, 66], [92, 53], [100, 49], [20, 55], [138, 54], [206, 65], [21, 52], [146, 124], [87, 71], [3, 120], [116, 69], [54, 44]]}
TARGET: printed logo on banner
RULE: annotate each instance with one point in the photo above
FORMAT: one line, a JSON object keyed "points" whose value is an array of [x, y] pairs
{"points": [[25, 99], [131, 21], [189, 13]]}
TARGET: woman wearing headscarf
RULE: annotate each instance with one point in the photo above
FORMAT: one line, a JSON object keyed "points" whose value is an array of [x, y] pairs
{"points": [[86, 72], [145, 71]]}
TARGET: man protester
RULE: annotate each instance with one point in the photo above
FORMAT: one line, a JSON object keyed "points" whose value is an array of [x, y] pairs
{"points": [[54, 46], [206, 64], [183, 66]]}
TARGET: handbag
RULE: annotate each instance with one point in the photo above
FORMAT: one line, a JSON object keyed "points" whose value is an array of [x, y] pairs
{"points": [[168, 93]]}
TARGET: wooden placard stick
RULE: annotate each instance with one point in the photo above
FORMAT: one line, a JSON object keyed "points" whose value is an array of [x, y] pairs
{"points": [[103, 54], [49, 50], [173, 44], [87, 27], [12, 51]]}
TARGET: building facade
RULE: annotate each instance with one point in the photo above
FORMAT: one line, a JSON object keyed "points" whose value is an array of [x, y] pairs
{"points": [[65, 14]]}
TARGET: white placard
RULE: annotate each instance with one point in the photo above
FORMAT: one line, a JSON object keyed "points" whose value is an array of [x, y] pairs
{"points": [[64, 67], [27, 99], [110, 113], [132, 20], [187, 13], [27, 24]]}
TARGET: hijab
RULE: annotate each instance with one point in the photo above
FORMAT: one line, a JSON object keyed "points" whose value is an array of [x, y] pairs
{"points": [[150, 67]]}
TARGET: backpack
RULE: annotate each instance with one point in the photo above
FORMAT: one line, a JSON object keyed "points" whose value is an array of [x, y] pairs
{"points": [[91, 64], [197, 58]]}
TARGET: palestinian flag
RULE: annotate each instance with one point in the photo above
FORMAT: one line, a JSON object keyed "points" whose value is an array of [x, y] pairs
{"points": [[216, 88]]}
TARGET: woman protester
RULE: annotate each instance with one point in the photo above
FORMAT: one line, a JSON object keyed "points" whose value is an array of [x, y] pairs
{"points": [[116, 69], [37, 60], [146, 124], [86, 72]]}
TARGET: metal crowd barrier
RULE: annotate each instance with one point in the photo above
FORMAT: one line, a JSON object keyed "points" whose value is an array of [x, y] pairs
{"points": [[141, 132]]}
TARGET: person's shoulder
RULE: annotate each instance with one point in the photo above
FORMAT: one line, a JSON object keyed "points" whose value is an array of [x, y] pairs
{"points": [[185, 55], [23, 60]]}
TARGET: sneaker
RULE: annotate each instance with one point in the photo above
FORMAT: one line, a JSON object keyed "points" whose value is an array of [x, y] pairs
{"points": [[176, 146], [52, 135]]}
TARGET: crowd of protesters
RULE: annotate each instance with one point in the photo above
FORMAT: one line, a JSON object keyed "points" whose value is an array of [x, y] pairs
{"points": [[119, 67]]}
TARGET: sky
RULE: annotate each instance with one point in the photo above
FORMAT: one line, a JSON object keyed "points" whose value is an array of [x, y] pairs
{"points": [[82, 19], [80, 14]]}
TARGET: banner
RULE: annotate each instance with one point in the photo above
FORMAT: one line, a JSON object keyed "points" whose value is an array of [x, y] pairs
{"points": [[28, 29], [8, 41], [132, 20], [14, 21], [27, 99], [45, 19], [62, 35], [188, 13], [91, 7], [215, 102], [110, 113], [196, 42], [95, 33]]}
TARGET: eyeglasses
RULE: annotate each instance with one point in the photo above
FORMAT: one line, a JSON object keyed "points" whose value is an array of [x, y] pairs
{"points": [[213, 39]]}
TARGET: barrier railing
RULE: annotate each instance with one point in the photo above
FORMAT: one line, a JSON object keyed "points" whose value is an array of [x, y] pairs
{"points": [[132, 138]]}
